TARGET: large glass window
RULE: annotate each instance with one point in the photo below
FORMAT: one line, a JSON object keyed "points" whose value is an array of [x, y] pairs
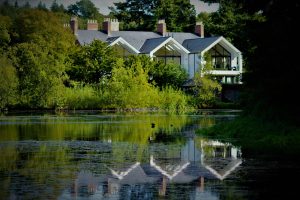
{"points": [[168, 54], [221, 58], [121, 50]]}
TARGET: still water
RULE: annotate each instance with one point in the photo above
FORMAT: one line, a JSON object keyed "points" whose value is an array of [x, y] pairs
{"points": [[131, 156]]}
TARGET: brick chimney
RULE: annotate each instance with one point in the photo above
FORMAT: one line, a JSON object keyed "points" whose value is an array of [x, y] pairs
{"points": [[199, 29], [162, 27], [92, 25], [74, 25], [110, 25]]}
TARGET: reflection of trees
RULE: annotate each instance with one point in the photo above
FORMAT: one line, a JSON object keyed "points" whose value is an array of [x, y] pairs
{"points": [[8, 158], [128, 136], [131, 128], [48, 167], [135, 128]]}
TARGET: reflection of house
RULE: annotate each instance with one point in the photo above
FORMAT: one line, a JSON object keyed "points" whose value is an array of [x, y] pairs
{"points": [[186, 49], [213, 160], [168, 164], [85, 184], [220, 158], [132, 175]]}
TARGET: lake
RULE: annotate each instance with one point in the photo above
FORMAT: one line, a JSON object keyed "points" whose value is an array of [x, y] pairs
{"points": [[90, 155]]}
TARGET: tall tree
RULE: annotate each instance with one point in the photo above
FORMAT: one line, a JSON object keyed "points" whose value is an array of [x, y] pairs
{"points": [[16, 4], [42, 6], [43, 28], [27, 5], [40, 56], [57, 8], [135, 14], [144, 14], [180, 15], [85, 9]]}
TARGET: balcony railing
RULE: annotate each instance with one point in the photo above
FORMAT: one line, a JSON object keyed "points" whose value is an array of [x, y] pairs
{"points": [[223, 68]]}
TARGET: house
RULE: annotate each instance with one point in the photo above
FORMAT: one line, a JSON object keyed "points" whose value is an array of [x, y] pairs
{"points": [[186, 49]]}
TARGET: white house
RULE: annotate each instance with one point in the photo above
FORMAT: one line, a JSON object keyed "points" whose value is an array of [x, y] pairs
{"points": [[186, 49]]}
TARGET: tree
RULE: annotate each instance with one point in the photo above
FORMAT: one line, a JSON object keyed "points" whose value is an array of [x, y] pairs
{"points": [[135, 14], [45, 29], [27, 5], [16, 4], [55, 7], [85, 9], [206, 89], [40, 56], [180, 15], [42, 6], [92, 62], [9, 83], [40, 73], [5, 26]]}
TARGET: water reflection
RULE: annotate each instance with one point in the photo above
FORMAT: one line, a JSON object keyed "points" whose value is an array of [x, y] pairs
{"points": [[112, 157], [196, 162]]}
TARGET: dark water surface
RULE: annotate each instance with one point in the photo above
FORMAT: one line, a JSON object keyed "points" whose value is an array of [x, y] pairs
{"points": [[133, 156]]}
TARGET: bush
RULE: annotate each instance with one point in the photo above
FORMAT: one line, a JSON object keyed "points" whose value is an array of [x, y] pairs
{"points": [[173, 100], [81, 97]]}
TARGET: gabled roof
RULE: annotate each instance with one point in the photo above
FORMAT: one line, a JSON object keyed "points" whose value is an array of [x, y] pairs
{"points": [[88, 36], [136, 38], [221, 174], [112, 40], [199, 44], [151, 44], [180, 37], [146, 42], [117, 40]]}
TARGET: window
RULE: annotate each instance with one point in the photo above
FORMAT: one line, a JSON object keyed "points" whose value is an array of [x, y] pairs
{"points": [[168, 54], [221, 58], [121, 50]]}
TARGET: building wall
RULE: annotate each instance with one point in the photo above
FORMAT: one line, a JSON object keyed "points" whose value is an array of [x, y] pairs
{"points": [[193, 64]]}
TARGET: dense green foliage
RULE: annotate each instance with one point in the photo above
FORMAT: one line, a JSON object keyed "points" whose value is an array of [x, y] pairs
{"points": [[9, 83], [160, 74], [263, 31], [92, 62], [207, 89], [135, 14], [84, 8], [270, 121], [57, 8], [180, 15], [43, 68]]}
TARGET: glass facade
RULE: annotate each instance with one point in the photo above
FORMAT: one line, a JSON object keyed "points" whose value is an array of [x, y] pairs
{"points": [[168, 54], [121, 50], [221, 58]]}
